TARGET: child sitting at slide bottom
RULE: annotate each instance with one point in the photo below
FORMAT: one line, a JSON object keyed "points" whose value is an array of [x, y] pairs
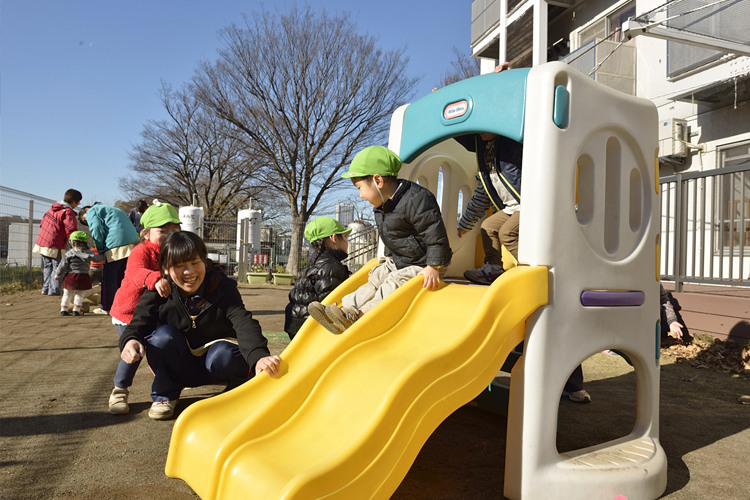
{"points": [[75, 263], [411, 228], [326, 272]]}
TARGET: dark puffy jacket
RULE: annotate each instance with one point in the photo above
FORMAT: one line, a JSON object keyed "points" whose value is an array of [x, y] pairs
{"points": [[314, 284], [508, 163], [223, 316], [412, 228]]}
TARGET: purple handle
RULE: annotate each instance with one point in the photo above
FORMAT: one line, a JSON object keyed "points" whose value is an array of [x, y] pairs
{"points": [[604, 298]]}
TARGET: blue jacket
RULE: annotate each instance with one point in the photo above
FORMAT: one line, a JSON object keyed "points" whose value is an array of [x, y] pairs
{"points": [[110, 227]]}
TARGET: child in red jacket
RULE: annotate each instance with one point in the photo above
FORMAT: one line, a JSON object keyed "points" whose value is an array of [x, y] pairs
{"points": [[142, 273]]}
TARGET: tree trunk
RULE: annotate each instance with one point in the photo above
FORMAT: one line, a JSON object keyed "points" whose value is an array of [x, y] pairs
{"points": [[295, 250]]}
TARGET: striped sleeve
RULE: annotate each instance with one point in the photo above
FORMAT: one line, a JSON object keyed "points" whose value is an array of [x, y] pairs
{"points": [[475, 209]]}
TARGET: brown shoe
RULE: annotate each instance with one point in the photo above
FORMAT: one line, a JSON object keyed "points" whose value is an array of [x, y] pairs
{"points": [[318, 313], [343, 317]]}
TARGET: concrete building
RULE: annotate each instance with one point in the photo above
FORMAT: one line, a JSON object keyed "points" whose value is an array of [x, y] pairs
{"points": [[691, 58]]}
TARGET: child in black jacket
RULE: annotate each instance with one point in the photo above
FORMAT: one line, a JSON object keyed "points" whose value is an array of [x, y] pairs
{"points": [[409, 224], [329, 239]]}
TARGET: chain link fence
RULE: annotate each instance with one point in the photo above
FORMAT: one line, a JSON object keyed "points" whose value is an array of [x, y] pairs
{"points": [[20, 215]]}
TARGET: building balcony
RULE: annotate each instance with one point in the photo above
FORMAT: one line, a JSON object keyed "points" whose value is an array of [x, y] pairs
{"points": [[606, 62]]}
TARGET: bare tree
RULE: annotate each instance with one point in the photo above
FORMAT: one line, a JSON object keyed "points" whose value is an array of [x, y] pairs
{"points": [[308, 92], [464, 66], [193, 152]]}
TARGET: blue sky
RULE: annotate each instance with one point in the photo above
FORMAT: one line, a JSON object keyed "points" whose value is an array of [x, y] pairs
{"points": [[79, 79]]}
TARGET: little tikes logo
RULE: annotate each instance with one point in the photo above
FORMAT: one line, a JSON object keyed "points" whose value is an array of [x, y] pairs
{"points": [[456, 109]]}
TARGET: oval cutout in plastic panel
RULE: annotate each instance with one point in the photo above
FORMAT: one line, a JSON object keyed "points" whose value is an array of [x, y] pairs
{"points": [[606, 298], [562, 103]]}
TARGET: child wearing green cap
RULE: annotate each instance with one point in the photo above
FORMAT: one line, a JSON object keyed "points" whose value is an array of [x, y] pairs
{"points": [[328, 238], [76, 263], [409, 224], [142, 273]]}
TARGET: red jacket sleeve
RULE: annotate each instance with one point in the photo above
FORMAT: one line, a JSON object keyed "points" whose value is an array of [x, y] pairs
{"points": [[70, 221], [140, 269]]}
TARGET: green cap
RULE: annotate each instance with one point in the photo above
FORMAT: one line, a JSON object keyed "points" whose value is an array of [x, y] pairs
{"points": [[323, 227], [159, 214], [374, 160], [79, 236]]}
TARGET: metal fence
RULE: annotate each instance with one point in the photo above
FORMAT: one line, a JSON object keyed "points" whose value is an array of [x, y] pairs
{"points": [[220, 236], [363, 246], [228, 243], [705, 227], [20, 214]]}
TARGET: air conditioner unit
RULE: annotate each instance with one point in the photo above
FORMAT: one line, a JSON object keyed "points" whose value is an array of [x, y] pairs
{"points": [[673, 136]]}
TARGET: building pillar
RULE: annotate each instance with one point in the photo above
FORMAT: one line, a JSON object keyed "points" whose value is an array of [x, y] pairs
{"points": [[540, 33]]}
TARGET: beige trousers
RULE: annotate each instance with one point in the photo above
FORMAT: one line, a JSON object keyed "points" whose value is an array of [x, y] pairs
{"points": [[383, 280], [500, 229]]}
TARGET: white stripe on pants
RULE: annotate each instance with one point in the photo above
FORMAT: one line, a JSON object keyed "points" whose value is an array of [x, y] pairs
{"points": [[382, 281]]}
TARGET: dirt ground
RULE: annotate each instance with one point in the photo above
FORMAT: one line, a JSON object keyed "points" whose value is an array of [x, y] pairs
{"points": [[57, 440]]}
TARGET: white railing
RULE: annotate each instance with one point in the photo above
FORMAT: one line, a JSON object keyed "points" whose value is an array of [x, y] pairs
{"points": [[705, 227]]}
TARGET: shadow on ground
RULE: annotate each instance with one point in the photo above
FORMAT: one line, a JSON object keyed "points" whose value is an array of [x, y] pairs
{"points": [[703, 429]]}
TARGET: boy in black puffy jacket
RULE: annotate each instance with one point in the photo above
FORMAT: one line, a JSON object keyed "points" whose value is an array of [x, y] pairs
{"points": [[323, 275], [411, 228]]}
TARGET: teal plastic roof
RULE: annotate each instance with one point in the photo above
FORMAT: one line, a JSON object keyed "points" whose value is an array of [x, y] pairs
{"points": [[494, 102]]}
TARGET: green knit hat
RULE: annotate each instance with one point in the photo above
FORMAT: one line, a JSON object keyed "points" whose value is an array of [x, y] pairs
{"points": [[374, 160], [323, 227], [159, 214], [79, 236]]}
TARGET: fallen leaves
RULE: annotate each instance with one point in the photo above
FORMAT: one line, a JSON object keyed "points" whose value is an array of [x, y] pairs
{"points": [[713, 354]]}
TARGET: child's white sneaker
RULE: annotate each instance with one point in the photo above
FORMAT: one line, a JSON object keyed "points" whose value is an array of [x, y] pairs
{"points": [[578, 396], [118, 402], [162, 410]]}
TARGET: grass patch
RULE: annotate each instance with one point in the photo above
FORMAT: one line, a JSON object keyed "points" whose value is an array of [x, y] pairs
{"points": [[18, 287], [276, 336]]}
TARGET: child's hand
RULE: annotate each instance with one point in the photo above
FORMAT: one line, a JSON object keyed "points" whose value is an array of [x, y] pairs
{"points": [[133, 351], [270, 364], [675, 330], [431, 278], [163, 287], [461, 232], [502, 67]]}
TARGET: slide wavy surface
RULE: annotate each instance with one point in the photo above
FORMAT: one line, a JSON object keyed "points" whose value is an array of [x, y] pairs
{"points": [[350, 412]]}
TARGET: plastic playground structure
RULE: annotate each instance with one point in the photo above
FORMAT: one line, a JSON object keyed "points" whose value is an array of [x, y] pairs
{"points": [[349, 413]]}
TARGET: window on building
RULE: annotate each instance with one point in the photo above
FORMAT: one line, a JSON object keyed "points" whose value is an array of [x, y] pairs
{"points": [[734, 199], [608, 26]]}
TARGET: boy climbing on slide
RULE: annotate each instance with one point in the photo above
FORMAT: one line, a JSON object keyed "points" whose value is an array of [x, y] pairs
{"points": [[411, 228]]}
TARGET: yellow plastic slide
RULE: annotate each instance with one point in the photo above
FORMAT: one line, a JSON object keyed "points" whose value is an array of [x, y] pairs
{"points": [[350, 412]]}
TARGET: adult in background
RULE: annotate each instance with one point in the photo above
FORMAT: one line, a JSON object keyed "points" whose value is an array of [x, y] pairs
{"points": [[199, 334], [115, 237], [54, 230], [136, 213]]}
